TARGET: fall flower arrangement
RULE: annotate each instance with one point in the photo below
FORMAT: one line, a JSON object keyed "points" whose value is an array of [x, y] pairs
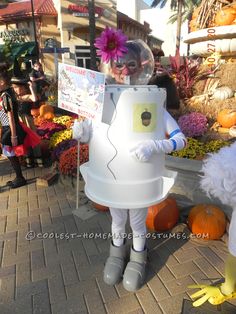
{"points": [[196, 149], [193, 124], [62, 119], [60, 136], [61, 147], [68, 159], [48, 128]]}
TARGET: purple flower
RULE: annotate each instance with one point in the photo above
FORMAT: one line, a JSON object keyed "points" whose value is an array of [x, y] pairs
{"points": [[111, 44], [193, 124], [61, 147], [48, 128]]}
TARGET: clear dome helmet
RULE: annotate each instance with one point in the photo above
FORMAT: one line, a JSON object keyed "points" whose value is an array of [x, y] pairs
{"points": [[135, 67]]}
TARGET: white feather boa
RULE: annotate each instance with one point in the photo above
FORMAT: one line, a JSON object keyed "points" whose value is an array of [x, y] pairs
{"points": [[219, 175]]}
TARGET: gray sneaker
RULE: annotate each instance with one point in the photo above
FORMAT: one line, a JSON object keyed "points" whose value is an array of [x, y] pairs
{"points": [[134, 274], [115, 264]]}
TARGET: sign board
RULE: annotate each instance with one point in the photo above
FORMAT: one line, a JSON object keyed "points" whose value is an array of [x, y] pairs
{"points": [[50, 43], [81, 91], [55, 50], [13, 33], [80, 14], [83, 11]]}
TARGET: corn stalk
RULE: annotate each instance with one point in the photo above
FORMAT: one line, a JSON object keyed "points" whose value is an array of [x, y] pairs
{"points": [[208, 11]]}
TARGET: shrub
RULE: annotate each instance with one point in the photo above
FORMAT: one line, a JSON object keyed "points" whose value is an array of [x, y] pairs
{"points": [[60, 136], [193, 124], [68, 159], [197, 149], [61, 147]]}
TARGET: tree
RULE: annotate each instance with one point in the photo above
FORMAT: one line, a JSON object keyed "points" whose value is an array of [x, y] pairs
{"points": [[176, 5], [187, 12]]}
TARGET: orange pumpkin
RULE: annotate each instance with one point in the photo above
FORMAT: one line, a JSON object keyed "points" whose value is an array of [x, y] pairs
{"points": [[163, 216], [227, 118], [100, 207], [225, 16], [45, 108], [48, 116], [209, 221]]}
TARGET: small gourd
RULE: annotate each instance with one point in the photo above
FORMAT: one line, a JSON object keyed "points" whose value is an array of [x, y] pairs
{"points": [[223, 93], [227, 118], [208, 221], [225, 16]]}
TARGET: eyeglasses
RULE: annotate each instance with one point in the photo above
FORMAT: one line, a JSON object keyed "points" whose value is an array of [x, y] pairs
{"points": [[132, 65]]}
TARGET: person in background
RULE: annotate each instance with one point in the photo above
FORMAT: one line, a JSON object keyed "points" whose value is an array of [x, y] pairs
{"points": [[162, 79], [38, 77], [12, 134], [27, 97]]}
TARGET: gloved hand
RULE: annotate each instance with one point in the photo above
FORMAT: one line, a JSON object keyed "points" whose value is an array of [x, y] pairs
{"points": [[81, 130], [144, 150], [212, 294]]}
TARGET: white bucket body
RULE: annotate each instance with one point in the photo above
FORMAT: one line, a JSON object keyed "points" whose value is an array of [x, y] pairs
{"points": [[112, 176]]}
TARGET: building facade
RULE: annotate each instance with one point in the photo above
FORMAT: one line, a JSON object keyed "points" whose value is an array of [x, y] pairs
{"points": [[58, 24], [65, 24]]}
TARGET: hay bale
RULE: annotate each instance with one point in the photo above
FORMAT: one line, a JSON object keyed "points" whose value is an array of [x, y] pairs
{"points": [[227, 75]]}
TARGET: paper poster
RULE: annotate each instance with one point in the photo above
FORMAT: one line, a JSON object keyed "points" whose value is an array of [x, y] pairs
{"points": [[81, 91], [144, 117]]}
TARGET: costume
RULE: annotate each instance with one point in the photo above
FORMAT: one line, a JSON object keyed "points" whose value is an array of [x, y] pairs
{"points": [[126, 158], [26, 137], [219, 180]]}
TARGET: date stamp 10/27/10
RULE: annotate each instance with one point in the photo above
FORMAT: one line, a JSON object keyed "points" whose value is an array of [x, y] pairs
{"points": [[211, 47]]}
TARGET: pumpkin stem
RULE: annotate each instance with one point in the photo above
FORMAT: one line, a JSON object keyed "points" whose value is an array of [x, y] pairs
{"points": [[209, 212]]}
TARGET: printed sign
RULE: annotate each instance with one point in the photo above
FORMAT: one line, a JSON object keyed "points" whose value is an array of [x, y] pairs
{"points": [[81, 91]]}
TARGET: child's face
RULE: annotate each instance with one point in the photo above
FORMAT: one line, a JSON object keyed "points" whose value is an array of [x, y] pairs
{"points": [[20, 90], [37, 67], [3, 84], [126, 68]]}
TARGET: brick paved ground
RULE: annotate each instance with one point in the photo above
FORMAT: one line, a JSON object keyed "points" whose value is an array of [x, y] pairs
{"points": [[63, 276]]}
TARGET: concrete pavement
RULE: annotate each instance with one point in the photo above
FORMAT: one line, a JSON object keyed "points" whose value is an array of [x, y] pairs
{"points": [[60, 270]]}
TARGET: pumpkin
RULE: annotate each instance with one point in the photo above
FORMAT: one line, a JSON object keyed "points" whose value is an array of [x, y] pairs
{"points": [[227, 118], [162, 216], [207, 220], [100, 207], [48, 116], [223, 93], [45, 108], [225, 16]]}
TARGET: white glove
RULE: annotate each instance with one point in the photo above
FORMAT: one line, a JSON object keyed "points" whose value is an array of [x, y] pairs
{"points": [[144, 150], [81, 130]]}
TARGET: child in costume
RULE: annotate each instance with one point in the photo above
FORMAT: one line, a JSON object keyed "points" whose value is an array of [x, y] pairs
{"points": [[219, 180], [123, 65], [16, 138]]}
